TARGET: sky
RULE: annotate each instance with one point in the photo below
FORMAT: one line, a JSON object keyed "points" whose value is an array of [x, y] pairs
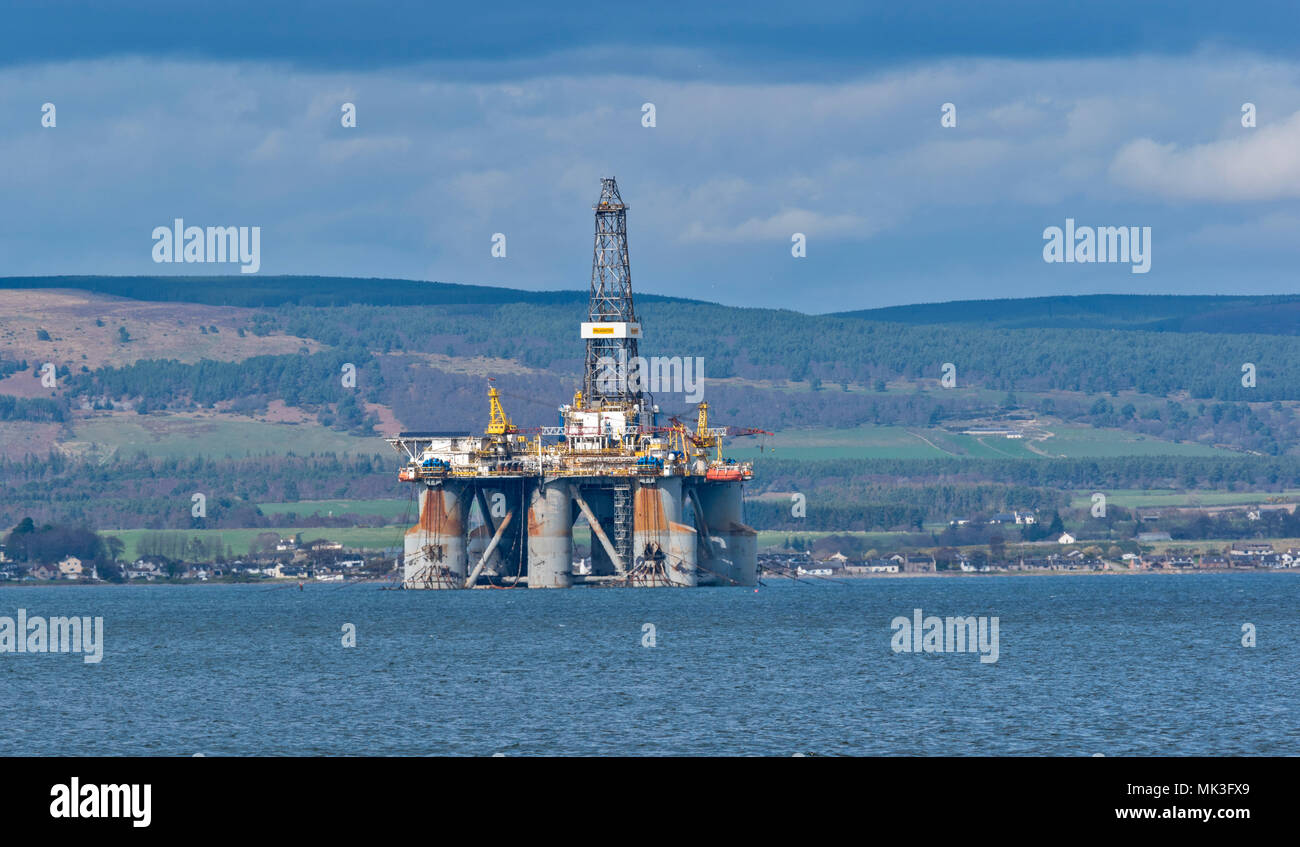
{"points": [[770, 120]]}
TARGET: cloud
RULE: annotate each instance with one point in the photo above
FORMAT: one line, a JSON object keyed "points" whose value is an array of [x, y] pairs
{"points": [[1263, 163], [437, 164], [782, 225], [1269, 232], [336, 152]]}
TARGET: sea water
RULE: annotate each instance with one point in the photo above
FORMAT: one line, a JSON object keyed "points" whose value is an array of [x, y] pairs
{"points": [[1112, 665]]}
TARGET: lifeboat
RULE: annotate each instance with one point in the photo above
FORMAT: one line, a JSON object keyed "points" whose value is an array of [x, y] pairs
{"points": [[727, 474]]}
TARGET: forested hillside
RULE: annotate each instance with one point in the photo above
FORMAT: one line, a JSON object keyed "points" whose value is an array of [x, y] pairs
{"points": [[376, 356]]}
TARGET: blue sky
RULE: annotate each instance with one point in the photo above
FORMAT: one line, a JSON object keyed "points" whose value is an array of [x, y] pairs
{"points": [[772, 119]]}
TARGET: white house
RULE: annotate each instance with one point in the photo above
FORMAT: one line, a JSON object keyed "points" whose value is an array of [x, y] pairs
{"points": [[144, 570], [1066, 538]]}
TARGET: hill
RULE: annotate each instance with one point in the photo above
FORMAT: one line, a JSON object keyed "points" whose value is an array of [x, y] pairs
{"points": [[164, 386], [1270, 315], [265, 291]]}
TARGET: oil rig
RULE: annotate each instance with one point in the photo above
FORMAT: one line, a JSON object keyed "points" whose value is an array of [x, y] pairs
{"points": [[663, 506]]}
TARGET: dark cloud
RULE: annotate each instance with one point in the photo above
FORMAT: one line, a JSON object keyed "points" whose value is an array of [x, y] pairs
{"points": [[757, 39]]}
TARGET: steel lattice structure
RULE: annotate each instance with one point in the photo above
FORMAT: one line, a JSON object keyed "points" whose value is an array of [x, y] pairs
{"points": [[611, 301]]}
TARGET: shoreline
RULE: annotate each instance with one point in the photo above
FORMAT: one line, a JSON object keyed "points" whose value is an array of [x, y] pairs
{"points": [[1035, 572], [286, 583]]}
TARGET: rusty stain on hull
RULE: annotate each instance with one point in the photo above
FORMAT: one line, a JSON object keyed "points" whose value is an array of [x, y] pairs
{"points": [[435, 516], [648, 510]]}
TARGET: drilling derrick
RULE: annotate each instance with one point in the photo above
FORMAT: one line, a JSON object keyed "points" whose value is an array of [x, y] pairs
{"points": [[663, 507], [611, 330]]}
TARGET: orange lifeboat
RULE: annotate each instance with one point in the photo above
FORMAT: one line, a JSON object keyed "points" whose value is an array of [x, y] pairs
{"points": [[727, 474]]}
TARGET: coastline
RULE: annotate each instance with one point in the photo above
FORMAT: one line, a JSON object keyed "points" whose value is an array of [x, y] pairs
{"points": [[287, 583], [1035, 572]]}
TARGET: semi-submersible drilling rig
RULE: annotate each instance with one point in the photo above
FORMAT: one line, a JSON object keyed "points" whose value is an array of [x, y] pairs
{"points": [[663, 505]]}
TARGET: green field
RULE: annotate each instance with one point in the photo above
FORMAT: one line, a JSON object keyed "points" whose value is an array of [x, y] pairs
{"points": [[866, 442], [1132, 498], [372, 539], [892, 442], [392, 509], [1082, 442], [184, 436]]}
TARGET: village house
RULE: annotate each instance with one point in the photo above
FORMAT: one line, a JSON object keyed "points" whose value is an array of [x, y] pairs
{"points": [[70, 567], [918, 564], [242, 568], [815, 570], [1066, 538], [1171, 561], [868, 566], [44, 572], [145, 569]]}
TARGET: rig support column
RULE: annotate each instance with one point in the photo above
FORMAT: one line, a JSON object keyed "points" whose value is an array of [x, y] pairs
{"points": [[735, 547], [550, 536], [663, 548], [435, 554]]}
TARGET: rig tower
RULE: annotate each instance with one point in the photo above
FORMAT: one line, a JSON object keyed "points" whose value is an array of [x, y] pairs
{"points": [[611, 330]]}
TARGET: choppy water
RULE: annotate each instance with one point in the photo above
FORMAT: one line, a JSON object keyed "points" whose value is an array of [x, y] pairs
{"points": [[1118, 665]]}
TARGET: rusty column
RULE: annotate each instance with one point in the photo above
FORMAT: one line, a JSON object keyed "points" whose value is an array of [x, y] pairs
{"points": [[435, 547], [663, 547]]}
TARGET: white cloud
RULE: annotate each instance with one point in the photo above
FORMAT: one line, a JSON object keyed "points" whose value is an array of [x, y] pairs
{"points": [[782, 225], [1262, 163]]}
